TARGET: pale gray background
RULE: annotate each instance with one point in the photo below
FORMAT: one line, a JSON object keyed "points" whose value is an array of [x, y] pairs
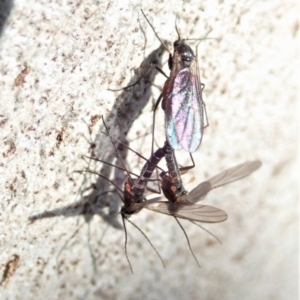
{"points": [[57, 61]]}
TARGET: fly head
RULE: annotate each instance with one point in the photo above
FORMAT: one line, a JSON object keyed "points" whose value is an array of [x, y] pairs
{"points": [[185, 52]]}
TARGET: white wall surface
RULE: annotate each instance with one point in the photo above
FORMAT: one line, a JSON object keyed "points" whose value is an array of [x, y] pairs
{"points": [[57, 61]]}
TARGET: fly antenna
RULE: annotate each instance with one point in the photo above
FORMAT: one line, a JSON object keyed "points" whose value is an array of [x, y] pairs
{"points": [[155, 32], [203, 38], [177, 30]]}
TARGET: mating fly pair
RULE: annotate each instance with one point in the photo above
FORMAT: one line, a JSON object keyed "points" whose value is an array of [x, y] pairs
{"points": [[180, 204], [134, 189]]}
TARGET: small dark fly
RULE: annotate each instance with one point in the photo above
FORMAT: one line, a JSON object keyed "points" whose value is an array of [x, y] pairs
{"points": [[183, 204], [133, 194], [182, 98], [179, 205], [180, 199]]}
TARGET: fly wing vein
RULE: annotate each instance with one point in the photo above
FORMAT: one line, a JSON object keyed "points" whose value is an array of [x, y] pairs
{"points": [[184, 112]]}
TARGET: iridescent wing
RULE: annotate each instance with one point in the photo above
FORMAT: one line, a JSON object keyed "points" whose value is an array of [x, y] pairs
{"points": [[192, 212], [225, 177], [184, 111]]}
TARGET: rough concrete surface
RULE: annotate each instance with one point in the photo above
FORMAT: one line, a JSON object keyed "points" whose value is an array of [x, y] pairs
{"points": [[58, 60]]}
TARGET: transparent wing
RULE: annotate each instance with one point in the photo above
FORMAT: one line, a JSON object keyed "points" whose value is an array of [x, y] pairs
{"points": [[199, 192], [184, 112], [225, 177], [234, 173], [192, 212]]}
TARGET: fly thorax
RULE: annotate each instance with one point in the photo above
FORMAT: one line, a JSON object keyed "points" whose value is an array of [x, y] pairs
{"points": [[185, 53], [169, 194], [178, 189], [138, 195], [186, 60], [128, 195]]}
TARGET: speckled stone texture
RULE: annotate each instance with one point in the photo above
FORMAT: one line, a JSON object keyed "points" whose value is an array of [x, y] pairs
{"points": [[58, 60]]}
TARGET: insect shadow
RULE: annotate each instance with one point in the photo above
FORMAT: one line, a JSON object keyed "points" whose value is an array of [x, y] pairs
{"points": [[128, 106], [5, 10]]}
